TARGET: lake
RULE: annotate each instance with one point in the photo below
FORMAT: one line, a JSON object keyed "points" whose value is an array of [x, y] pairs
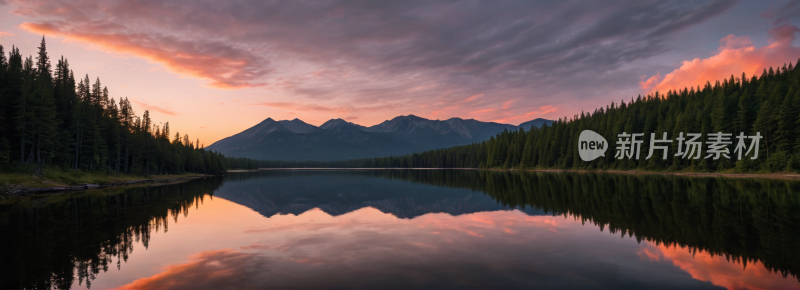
{"points": [[410, 228]]}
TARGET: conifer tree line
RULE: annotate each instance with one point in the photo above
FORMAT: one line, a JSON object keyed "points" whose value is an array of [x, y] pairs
{"points": [[241, 163], [768, 105], [50, 119]]}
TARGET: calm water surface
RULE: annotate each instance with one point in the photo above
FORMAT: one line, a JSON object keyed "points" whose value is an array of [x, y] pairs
{"points": [[410, 228]]}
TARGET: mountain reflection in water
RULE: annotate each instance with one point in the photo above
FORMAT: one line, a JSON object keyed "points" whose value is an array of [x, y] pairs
{"points": [[410, 228]]}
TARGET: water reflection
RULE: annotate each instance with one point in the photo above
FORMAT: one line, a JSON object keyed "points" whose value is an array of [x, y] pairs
{"points": [[367, 248], [57, 241], [719, 270], [340, 192], [448, 228]]}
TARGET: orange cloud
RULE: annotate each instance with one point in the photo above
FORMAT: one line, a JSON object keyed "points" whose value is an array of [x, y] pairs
{"points": [[735, 55], [210, 270], [225, 68], [718, 270], [5, 33], [304, 107], [649, 83]]}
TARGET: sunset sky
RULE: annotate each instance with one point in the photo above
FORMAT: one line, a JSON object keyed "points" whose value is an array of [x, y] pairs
{"points": [[215, 68]]}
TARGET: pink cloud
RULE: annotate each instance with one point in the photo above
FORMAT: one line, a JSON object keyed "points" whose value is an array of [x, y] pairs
{"points": [[736, 54], [306, 107], [147, 106], [256, 246], [543, 110], [299, 106], [436, 113], [483, 111], [472, 98]]}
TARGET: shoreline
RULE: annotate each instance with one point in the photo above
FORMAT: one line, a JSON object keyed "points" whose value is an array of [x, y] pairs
{"points": [[18, 190], [783, 176]]}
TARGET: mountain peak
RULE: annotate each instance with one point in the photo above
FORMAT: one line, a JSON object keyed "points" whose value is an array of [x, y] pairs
{"points": [[266, 121], [456, 119], [298, 126], [332, 122], [338, 123], [409, 117]]}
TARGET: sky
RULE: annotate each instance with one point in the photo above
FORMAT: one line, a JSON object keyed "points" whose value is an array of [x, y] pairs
{"points": [[215, 68]]}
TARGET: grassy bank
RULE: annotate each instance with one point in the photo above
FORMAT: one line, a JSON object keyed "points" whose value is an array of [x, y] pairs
{"points": [[28, 201], [55, 177]]}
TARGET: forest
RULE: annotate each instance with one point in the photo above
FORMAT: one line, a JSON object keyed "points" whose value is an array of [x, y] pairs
{"points": [[767, 105], [51, 120]]}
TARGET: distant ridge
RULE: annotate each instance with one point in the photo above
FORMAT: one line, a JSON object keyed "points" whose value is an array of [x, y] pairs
{"points": [[338, 139], [538, 122]]}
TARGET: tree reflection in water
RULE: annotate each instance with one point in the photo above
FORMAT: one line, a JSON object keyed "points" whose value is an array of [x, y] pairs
{"points": [[50, 242]]}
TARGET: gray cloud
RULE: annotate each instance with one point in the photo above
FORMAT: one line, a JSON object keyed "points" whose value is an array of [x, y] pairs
{"points": [[526, 50], [782, 14]]}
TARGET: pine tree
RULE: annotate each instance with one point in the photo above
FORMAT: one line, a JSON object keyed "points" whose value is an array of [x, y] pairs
{"points": [[45, 122], [745, 114], [785, 135], [5, 150]]}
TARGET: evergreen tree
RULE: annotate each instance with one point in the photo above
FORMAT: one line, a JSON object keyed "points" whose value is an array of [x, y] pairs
{"points": [[789, 110]]}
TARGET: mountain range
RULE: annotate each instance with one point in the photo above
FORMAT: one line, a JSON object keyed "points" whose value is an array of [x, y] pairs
{"points": [[338, 139]]}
